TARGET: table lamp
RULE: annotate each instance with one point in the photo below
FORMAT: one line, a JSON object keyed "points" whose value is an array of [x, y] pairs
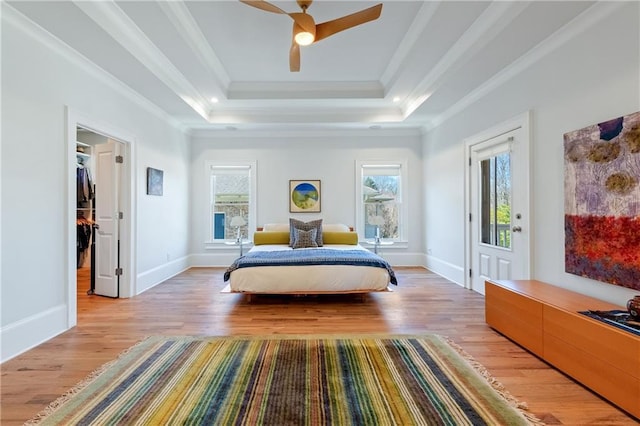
{"points": [[238, 222]]}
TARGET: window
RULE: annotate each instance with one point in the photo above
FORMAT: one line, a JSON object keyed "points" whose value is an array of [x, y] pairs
{"points": [[380, 195], [232, 194], [495, 204]]}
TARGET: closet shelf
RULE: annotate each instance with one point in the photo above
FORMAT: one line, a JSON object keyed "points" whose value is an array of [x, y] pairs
{"points": [[81, 147]]}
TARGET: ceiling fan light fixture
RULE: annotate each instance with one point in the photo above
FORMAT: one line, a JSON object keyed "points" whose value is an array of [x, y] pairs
{"points": [[304, 38], [305, 31]]}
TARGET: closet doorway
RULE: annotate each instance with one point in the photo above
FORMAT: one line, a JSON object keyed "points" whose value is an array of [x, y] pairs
{"points": [[98, 172], [100, 212]]}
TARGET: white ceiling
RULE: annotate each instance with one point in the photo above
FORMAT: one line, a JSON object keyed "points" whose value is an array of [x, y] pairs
{"points": [[414, 65]]}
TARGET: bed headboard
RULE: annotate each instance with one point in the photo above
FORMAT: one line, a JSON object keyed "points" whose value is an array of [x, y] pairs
{"points": [[278, 233]]}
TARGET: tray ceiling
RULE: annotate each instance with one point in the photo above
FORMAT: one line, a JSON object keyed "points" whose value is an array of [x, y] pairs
{"points": [[410, 68]]}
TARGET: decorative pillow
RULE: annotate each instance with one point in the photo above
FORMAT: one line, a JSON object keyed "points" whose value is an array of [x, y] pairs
{"points": [[275, 227], [335, 227], [304, 239], [262, 238], [305, 226], [350, 238]]}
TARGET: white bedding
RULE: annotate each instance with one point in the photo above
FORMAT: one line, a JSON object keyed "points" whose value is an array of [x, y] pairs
{"points": [[309, 279]]}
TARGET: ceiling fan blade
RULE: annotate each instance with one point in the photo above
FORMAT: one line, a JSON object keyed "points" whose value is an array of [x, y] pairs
{"points": [[294, 54], [263, 5], [329, 28], [305, 21], [294, 57]]}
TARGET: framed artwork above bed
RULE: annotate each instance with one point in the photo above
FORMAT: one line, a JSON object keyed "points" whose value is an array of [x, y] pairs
{"points": [[304, 196]]}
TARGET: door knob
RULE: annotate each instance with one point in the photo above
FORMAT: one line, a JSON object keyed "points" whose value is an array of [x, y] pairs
{"points": [[516, 229]]}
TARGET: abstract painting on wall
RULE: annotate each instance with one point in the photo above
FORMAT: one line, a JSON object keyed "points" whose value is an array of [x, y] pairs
{"points": [[602, 201]]}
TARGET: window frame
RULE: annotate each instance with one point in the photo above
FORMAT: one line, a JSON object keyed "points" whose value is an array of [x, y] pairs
{"points": [[403, 215], [210, 242]]}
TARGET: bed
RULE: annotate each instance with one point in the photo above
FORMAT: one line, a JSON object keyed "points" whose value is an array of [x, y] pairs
{"points": [[332, 264]]}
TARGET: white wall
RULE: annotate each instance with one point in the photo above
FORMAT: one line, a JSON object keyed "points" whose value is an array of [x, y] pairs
{"points": [[39, 78], [593, 77], [329, 157]]}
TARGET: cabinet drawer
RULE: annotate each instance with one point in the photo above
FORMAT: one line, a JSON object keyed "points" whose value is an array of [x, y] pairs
{"points": [[601, 341], [606, 379], [516, 316], [522, 307]]}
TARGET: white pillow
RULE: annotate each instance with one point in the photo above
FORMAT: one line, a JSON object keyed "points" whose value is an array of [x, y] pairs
{"points": [[276, 227], [335, 227]]}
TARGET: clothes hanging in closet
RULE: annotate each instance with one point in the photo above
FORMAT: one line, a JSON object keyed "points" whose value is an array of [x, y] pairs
{"points": [[83, 241], [84, 186]]}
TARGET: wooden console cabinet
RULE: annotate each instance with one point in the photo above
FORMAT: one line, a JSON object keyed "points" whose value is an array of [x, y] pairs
{"points": [[544, 319]]}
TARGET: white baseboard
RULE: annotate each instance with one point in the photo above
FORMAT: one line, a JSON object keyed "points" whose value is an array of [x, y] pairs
{"points": [[155, 276], [29, 332], [445, 269]]}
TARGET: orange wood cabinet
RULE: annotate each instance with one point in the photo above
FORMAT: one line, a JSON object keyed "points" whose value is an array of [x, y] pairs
{"points": [[544, 319], [518, 318]]}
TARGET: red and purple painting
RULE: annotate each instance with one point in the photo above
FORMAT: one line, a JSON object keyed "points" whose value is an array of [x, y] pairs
{"points": [[602, 201]]}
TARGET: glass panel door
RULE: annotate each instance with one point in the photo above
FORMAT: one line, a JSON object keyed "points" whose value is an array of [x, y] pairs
{"points": [[495, 200]]}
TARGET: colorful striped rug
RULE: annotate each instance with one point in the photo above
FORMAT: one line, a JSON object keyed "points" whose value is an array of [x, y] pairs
{"points": [[312, 380]]}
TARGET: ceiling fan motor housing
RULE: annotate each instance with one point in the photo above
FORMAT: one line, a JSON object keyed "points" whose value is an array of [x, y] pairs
{"points": [[304, 4]]}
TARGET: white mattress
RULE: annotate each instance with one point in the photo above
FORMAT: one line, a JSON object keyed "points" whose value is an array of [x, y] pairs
{"points": [[308, 279]]}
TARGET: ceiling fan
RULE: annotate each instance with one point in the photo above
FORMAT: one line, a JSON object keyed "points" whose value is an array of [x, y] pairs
{"points": [[306, 31]]}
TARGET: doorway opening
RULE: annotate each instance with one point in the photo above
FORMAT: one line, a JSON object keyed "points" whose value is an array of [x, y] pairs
{"points": [[98, 197], [100, 211]]}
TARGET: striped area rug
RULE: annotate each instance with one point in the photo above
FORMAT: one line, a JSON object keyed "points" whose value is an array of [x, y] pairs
{"points": [[301, 380]]}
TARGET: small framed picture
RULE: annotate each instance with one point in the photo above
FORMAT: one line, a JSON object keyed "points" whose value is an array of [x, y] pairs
{"points": [[154, 181], [304, 196]]}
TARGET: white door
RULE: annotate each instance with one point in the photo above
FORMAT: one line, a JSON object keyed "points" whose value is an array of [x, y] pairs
{"points": [[107, 203], [499, 234]]}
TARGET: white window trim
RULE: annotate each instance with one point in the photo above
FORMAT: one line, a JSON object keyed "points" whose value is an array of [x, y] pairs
{"points": [[210, 243], [402, 241]]}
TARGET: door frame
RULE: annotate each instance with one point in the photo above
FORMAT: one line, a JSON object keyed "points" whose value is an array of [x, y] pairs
{"points": [[74, 119], [523, 122]]}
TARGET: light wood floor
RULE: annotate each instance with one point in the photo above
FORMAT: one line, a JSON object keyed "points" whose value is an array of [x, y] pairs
{"points": [[191, 304]]}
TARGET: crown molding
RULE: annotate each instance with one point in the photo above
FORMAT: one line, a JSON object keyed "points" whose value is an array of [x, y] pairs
{"points": [[305, 131], [107, 15], [306, 90], [188, 28], [13, 17], [408, 43], [574, 28], [496, 17], [290, 114]]}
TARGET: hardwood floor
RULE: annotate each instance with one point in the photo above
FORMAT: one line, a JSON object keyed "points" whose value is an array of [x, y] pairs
{"points": [[191, 304]]}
